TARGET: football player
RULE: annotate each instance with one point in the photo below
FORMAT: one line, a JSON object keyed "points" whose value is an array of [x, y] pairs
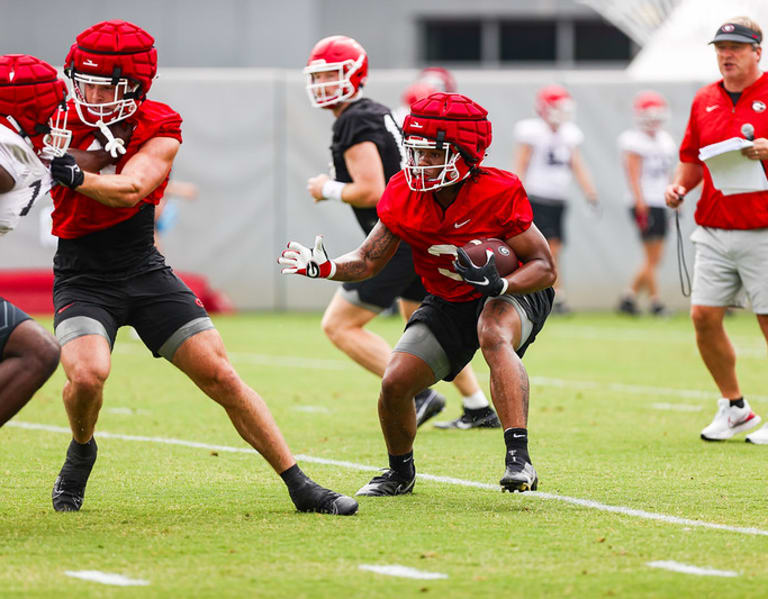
{"points": [[108, 272], [366, 152], [648, 153], [440, 201], [30, 93], [547, 156]]}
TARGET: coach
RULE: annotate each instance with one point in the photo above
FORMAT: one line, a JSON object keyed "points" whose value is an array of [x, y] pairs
{"points": [[731, 239]]}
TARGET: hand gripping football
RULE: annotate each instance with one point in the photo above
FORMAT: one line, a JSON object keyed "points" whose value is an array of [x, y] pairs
{"points": [[506, 260]]}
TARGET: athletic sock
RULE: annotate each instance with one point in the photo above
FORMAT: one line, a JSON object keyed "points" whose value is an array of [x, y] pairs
{"points": [[737, 403], [403, 465], [475, 401], [294, 478], [516, 440], [82, 451]]}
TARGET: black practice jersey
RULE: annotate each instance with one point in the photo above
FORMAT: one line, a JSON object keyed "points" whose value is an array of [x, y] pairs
{"points": [[366, 120]]}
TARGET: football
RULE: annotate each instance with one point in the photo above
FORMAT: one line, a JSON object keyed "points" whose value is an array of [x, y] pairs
{"points": [[506, 260]]}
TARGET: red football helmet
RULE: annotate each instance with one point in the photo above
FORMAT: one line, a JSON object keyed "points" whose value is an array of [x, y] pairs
{"points": [[439, 78], [416, 91], [119, 57], [30, 94], [346, 58], [449, 122], [650, 110], [554, 104]]}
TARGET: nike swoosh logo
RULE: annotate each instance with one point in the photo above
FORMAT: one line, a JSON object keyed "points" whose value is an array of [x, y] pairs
{"points": [[515, 436], [485, 281], [458, 225], [416, 125], [711, 108]]}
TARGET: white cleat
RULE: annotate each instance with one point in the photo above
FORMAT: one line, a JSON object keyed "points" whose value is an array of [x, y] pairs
{"points": [[729, 421], [759, 437]]}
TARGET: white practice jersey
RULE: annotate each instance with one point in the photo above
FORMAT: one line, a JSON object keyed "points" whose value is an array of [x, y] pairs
{"points": [[549, 170], [32, 178], [659, 155]]}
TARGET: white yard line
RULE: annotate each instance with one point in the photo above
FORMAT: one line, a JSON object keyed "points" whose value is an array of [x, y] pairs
{"points": [[695, 570], [586, 503], [107, 578], [402, 572], [675, 407]]}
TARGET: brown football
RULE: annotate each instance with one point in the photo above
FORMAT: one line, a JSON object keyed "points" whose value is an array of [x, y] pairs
{"points": [[506, 260]]}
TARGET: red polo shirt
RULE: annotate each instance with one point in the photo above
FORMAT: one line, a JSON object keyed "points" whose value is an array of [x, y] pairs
{"points": [[715, 118]]}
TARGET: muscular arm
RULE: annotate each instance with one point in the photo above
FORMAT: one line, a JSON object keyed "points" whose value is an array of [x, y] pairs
{"points": [[522, 160], [91, 161], [6, 181], [147, 169], [687, 176], [367, 172], [367, 260], [538, 269]]}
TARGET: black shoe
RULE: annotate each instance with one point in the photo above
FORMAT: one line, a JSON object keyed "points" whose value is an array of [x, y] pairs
{"points": [[519, 476], [429, 403], [69, 488], [311, 497], [387, 484], [627, 305], [480, 418], [659, 309]]}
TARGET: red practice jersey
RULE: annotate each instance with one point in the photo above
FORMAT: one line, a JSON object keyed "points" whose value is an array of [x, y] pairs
{"points": [[75, 214], [491, 204], [714, 118]]}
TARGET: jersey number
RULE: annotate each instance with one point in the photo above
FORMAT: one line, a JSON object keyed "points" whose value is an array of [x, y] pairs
{"points": [[35, 192]]}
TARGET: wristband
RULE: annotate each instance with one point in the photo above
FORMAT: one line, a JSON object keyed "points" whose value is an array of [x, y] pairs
{"points": [[503, 289], [332, 190]]}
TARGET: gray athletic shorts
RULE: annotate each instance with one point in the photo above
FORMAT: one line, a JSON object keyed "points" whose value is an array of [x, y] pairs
{"points": [[730, 265], [418, 340]]}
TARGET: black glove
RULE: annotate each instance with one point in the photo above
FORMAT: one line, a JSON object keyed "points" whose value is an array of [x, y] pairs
{"points": [[65, 171], [485, 279]]}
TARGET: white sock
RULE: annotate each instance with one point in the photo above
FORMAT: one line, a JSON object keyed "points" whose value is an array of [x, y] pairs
{"points": [[475, 401]]}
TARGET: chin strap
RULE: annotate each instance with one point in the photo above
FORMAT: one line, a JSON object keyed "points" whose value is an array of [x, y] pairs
{"points": [[115, 146]]}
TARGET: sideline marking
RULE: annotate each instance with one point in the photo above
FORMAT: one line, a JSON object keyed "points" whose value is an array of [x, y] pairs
{"points": [[695, 570], [402, 572], [675, 407], [107, 578], [587, 503]]}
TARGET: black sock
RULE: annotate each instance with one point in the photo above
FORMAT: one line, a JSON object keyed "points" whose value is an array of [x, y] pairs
{"points": [[403, 465], [82, 450], [516, 440], [737, 403], [294, 478]]}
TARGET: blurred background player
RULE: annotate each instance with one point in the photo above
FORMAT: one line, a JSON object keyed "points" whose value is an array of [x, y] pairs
{"points": [[108, 272], [30, 94], [366, 151], [648, 156], [731, 238], [429, 81], [469, 307], [547, 156]]}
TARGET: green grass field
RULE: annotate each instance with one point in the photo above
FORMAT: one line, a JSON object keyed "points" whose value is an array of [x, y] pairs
{"points": [[616, 409]]}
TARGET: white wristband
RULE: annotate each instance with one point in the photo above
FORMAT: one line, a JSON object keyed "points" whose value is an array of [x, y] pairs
{"points": [[332, 190], [506, 286]]}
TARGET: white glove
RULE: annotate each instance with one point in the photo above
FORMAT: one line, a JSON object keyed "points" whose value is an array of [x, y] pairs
{"points": [[312, 263]]}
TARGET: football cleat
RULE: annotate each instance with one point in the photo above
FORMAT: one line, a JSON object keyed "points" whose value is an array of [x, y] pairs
{"points": [[730, 420], [387, 484], [519, 476], [480, 418], [69, 489], [311, 497], [429, 403], [759, 437], [627, 305]]}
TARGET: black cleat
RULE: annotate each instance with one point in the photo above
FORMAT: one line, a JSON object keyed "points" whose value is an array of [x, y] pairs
{"points": [[429, 403], [480, 418], [387, 484], [69, 488], [311, 497], [519, 476], [627, 305]]}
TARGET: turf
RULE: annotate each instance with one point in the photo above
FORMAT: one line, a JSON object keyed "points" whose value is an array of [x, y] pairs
{"points": [[197, 522]]}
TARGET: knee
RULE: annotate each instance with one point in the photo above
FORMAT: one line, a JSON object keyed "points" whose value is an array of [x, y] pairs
{"points": [[493, 338], [87, 379], [705, 320], [395, 390], [221, 382]]}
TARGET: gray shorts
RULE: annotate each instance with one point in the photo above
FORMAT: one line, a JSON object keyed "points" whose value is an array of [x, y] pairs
{"points": [[730, 265], [418, 340]]}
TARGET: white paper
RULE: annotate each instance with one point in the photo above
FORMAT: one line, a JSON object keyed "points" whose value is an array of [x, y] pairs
{"points": [[731, 172]]}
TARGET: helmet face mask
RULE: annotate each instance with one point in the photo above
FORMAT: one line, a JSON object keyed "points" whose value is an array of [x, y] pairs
{"points": [[121, 105], [56, 141], [346, 60], [555, 105], [428, 167], [651, 111]]}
